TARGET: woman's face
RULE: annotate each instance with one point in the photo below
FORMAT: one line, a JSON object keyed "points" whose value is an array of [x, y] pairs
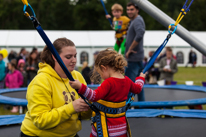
{"points": [[68, 55], [34, 55]]}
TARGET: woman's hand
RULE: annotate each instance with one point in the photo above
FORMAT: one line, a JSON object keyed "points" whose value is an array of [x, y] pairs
{"points": [[79, 105], [75, 84]]}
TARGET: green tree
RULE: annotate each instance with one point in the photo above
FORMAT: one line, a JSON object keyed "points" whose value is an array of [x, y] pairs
{"points": [[89, 14]]}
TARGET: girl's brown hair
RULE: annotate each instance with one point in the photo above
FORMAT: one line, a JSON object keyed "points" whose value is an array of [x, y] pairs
{"points": [[110, 58], [46, 55], [13, 63]]}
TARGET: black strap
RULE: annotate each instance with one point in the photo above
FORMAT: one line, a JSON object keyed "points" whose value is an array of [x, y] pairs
{"points": [[110, 110]]}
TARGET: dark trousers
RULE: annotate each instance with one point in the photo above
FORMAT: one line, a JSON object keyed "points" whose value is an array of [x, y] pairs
{"points": [[23, 135], [132, 71]]}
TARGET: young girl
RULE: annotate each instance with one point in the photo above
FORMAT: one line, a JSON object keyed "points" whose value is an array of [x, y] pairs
{"points": [[111, 94], [14, 79], [21, 68]]}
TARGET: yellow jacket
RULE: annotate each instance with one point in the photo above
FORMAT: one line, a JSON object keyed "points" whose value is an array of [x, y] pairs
{"points": [[120, 25], [50, 110]]}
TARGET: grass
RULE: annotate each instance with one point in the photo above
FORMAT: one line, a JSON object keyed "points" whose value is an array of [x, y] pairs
{"points": [[197, 75], [7, 111]]}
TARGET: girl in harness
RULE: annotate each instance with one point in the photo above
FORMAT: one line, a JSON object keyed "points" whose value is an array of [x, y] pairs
{"points": [[110, 97]]}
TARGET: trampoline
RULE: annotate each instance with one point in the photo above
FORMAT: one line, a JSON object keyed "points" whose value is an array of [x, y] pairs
{"points": [[143, 123], [156, 96]]}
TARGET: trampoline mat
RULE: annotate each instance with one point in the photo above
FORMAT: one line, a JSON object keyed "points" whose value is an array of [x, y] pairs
{"points": [[16, 94], [160, 94], [140, 127], [151, 94]]}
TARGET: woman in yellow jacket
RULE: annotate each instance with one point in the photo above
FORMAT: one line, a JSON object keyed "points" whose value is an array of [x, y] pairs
{"points": [[54, 107]]}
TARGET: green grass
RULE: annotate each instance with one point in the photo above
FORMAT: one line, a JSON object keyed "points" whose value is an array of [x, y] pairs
{"points": [[4, 111], [197, 75]]}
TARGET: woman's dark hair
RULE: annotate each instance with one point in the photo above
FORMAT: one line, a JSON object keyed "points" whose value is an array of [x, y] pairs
{"points": [[46, 55], [22, 49]]}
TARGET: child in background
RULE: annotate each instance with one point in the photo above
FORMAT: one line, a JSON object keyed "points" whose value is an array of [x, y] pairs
{"points": [[2, 71], [3, 54], [120, 25], [14, 79], [112, 92], [21, 68]]}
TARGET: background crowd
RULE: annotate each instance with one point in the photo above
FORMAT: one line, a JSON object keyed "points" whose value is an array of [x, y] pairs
{"points": [[20, 69]]}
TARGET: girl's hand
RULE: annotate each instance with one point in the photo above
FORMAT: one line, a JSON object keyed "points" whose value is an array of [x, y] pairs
{"points": [[79, 105], [142, 75], [75, 84]]}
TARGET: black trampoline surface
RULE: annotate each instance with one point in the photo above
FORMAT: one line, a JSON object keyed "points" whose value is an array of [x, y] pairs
{"points": [[140, 127], [151, 94], [162, 94], [16, 94]]}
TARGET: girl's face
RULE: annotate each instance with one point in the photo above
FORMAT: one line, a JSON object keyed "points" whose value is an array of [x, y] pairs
{"points": [[68, 55], [34, 55], [10, 66], [21, 65]]}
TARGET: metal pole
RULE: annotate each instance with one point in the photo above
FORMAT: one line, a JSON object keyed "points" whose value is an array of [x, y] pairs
{"points": [[165, 20]]}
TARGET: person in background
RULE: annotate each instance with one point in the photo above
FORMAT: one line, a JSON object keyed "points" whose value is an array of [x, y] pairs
{"points": [[12, 55], [134, 52], [22, 54], [35, 50], [54, 107], [32, 66], [2, 71], [192, 58], [168, 67], [120, 25], [98, 77], [21, 68], [14, 79], [86, 72]]}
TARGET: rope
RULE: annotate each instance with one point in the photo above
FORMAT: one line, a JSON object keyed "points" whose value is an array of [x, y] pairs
{"points": [[105, 10], [183, 12]]}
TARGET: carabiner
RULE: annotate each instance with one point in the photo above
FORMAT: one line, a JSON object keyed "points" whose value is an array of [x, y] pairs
{"points": [[169, 28], [26, 13]]}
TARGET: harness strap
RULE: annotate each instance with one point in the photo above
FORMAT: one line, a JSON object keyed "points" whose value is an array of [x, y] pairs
{"points": [[120, 31], [110, 110], [99, 120]]}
